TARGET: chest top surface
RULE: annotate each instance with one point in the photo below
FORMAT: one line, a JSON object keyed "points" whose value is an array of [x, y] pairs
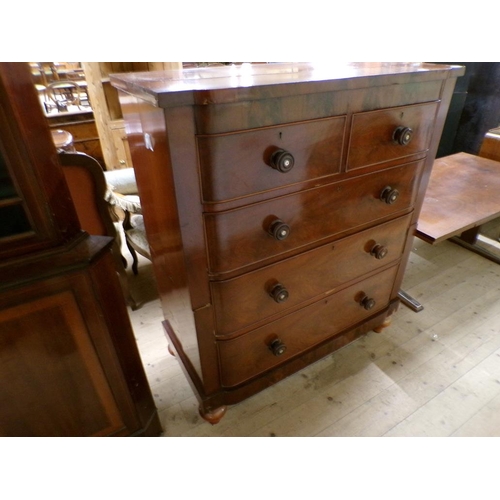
{"points": [[258, 81]]}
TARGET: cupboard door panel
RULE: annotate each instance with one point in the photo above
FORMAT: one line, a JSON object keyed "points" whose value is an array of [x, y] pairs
{"points": [[53, 383]]}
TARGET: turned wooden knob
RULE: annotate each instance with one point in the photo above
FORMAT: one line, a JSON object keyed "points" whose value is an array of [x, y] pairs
{"points": [[279, 293], [277, 347], [379, 251], [282, 161], [389, 195], [279, 230], [403, 135], [367, 303]]}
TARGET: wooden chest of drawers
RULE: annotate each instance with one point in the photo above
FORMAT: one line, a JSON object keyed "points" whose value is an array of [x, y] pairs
{"points": [[280, 203]]}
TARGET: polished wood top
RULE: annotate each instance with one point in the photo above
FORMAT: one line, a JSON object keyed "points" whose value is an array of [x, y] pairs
{"points": [[210, 85], [462, 194]]}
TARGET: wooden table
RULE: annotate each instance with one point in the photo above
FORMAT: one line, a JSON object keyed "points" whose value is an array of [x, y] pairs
{"points": [[463, 194]]}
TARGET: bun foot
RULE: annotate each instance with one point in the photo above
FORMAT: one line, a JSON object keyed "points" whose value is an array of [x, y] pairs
{"points": [[385, 324], [171, 351], [213, 417]]}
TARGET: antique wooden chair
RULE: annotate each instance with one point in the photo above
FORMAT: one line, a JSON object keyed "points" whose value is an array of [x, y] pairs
{"points": [[123, 195], [87, 185], [63, 93]]}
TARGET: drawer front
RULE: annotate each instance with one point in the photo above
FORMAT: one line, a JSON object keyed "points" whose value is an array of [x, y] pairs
{"points": [[274, 289], [241, 237], [390, 134], [240, 164], [250, 355]]}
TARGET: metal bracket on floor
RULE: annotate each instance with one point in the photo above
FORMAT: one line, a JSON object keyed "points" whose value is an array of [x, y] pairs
{"points": [[409, 301]]}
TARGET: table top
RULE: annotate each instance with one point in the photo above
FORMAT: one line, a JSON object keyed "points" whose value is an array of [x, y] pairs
{"points": [[463, 192]]}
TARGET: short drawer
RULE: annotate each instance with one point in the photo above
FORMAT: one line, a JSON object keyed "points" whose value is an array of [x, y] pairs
{"points": [[390, 134], [244, 236], [239, 164], [274, 289], [251, 354]]}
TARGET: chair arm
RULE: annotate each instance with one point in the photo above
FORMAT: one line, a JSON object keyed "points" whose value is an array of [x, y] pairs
{"points": [[121, 180], [128, 203]]}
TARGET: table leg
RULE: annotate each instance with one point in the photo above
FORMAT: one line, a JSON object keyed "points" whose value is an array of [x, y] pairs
{"points": [[409, 301], [473, 247], [470, 236]]}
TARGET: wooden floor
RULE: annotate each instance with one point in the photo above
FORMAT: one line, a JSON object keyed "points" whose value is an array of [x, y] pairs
{"points": [[432, 373]]}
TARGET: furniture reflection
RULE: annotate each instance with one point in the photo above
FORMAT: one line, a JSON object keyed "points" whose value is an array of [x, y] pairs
{"points": [[87, 185], [123, 195]]}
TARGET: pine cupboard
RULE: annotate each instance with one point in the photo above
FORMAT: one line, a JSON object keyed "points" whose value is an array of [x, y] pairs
{"points": [[106, 108]]}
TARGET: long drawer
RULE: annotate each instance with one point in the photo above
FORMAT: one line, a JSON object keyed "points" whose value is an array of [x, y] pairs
{"points": [[390, 134], [273, 290], [253, 353], [239, 164], [244, 236]]}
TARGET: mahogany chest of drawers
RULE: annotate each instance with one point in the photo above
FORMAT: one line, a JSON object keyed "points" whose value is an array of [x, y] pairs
{"points": [[280, 203]]}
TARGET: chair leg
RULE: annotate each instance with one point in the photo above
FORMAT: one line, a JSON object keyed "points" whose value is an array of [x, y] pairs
{"points": [[126, 226], [122, 275], [134, 257]]}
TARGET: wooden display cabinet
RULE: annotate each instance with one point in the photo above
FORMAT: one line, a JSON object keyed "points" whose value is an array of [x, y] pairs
{"points": [[69, 364]]}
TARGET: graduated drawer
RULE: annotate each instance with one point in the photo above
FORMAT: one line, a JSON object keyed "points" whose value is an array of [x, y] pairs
{"points": [[241, 237], [239, 164], [274, 289], [390, 134], [251, 354]]}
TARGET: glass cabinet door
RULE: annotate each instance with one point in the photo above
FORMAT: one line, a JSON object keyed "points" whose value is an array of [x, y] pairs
{"points": [[36, 209], [13, 219]]}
